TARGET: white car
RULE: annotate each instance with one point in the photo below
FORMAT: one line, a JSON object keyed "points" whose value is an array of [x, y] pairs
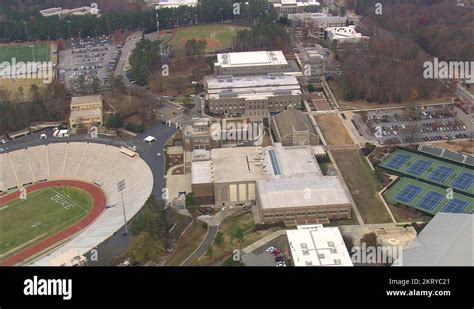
{"points": [[270, 249], [158, 154], [2, 141], [43, 136]]}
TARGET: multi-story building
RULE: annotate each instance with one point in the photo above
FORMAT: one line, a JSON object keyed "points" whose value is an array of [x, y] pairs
{"points": [[251, 63], [345, 35], [252, 96], [319, 22], [285, 7], [198, 135], [297, 191], [170, 4], [80, 11], [294, 128], [311, 61], [86, 111]]}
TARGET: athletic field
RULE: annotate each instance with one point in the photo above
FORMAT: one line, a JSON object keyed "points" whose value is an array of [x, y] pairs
{"points": [[43, 213], [25, 52], [217, 36], [428, 169], [427, 198]]}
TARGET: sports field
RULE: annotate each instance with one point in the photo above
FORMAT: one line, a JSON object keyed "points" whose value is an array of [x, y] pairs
{"points": [[43, 213], [25, 52], [432, 170], [427, 198], [217, 36]]}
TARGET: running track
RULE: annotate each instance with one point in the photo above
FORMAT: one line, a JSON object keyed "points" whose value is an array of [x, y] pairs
{"points": [[98, 206]]}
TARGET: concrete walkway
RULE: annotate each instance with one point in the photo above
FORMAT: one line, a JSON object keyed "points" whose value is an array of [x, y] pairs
{"points": [[263, 241]]}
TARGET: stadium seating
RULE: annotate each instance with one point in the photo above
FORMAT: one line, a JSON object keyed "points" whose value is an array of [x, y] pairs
{"points": [[94, 163]]}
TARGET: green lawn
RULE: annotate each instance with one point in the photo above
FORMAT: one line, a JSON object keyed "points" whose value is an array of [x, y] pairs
{"points": [[363, 185], [434, 164], [390, 195], [218, 36], [43, 213], [25, 52]]}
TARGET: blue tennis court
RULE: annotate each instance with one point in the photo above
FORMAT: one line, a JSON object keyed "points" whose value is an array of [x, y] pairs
{"points": [[408, 194], [430, 200], [463, 181], [275, 165], [455, 206], [441, 173], [398, 161], [419, 167]]}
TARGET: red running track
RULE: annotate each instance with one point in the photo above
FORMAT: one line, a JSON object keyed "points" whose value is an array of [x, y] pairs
{"points": [[98, 206]]}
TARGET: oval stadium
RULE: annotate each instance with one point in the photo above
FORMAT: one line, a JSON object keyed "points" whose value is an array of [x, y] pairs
{"points": [[62, 199]]}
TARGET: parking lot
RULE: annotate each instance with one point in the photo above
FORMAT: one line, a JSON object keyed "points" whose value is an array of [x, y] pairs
{"points": [[91, 57], [409, 125]]}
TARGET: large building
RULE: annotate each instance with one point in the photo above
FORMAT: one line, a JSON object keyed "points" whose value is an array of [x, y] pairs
{"points": [[170, 4], [319, 22], [447, 240], [86, 111], [311, 61], [251, 63], [285, 7], [80, 11], [296, 190], [227, 176], [252, 96], [294, 128], [315, 245], [345, 35]]}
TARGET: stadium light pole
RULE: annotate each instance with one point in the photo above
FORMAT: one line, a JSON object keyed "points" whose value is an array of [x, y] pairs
{"points": [[120, 187]]}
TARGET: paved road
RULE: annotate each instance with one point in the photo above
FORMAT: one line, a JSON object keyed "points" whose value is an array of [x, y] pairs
{"points": [[203, 247]]}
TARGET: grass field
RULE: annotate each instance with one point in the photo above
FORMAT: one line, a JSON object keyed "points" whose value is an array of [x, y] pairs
{"points": [[217, 36], [333, 130], [363, 185], [449, 181], [43, 213], [25, 52], [390, 195]]}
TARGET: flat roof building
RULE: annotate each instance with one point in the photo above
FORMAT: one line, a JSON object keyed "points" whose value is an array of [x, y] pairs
{"points": [[60, 12], [163, 4], [252, 96], [315, 245], [318, 21], [296, 189], [251, 63], [345, 35], [86, 111], [285, 7]]}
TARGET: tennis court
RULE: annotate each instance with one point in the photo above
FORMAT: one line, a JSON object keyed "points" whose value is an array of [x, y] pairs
{"points": [[446, 174], [427, 198]]}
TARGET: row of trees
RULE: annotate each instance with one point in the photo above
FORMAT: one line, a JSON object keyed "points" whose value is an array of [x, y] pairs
{"points": [[47, 104], [12, 27], [145, 59], [265, 36]]}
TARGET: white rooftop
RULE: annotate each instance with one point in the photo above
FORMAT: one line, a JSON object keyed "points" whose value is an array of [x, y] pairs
{"points": [[254, 58], [294, 161], [315, 245], [237, 164], [296, 3], [304, 191], [341, 33], [201, 172], [252, 87]]}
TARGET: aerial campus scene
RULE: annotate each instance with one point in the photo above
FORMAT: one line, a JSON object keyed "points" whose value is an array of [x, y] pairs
{"points": [[273, 133]]}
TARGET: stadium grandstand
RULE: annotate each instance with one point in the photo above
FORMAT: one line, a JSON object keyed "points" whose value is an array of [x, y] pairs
{"points": [[100, 165]]}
